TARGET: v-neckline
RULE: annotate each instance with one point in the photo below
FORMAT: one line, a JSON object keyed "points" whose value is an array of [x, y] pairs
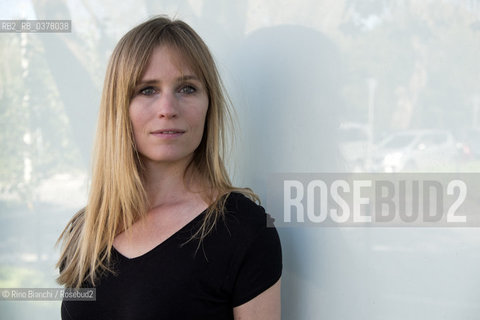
{"points": [[161, 244]]}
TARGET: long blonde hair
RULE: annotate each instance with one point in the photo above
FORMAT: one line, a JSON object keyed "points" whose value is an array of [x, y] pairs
{"points": [[117, 197]]}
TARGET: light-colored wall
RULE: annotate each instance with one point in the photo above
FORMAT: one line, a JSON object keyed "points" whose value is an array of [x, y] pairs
{"points": [[298, 73]]}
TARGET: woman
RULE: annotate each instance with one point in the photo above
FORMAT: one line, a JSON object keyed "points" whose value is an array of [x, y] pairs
{"points": [[165, 235]]}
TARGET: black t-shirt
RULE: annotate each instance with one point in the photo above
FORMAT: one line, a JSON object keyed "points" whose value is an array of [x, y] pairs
{"points": [[237, 261]]}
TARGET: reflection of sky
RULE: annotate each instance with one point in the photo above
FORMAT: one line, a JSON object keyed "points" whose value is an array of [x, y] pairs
{"points": [[16, 9]]}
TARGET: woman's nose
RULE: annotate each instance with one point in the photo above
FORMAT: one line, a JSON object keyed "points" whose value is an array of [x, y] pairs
{"points": [[167, 105]]}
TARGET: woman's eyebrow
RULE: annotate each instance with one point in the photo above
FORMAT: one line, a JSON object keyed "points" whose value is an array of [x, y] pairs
{"points": [[188, 77], [147, 82], [182, 78]]}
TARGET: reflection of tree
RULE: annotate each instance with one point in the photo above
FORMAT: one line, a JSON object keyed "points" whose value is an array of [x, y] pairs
{"points": [[49, 95], [34, 134], [424, 56], [11, 114], [78, 93]]}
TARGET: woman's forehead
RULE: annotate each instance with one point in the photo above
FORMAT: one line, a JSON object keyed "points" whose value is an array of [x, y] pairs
{"points": [[167, 56]]}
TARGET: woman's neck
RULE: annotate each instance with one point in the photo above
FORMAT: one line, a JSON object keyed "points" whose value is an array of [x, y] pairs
{"points": [[167, 184]]}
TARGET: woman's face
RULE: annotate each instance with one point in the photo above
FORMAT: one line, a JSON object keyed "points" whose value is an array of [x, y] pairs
{"points": [[168, 109]]}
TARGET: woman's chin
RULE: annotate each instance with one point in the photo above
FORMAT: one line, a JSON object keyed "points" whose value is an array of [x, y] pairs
{"points": [[168, 159]]}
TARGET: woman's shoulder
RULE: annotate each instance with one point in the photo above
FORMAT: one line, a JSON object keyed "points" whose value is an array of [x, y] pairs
{"points": [[242, 207], [242, 215]]}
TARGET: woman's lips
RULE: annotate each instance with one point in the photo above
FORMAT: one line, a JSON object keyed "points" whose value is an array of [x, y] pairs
{"points": [[168, 133]]}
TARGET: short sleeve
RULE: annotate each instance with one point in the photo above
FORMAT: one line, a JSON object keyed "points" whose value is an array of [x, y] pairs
{"points": [[260, 267]]}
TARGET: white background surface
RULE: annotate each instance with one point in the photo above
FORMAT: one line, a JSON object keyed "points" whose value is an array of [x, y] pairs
{"points": [[295, 70]]}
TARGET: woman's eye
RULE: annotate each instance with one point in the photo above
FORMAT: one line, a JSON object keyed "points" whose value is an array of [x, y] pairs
{"points": [[148, 91], [188, 90]]}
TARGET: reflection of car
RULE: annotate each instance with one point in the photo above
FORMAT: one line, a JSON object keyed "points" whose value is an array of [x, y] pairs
{"points": [[468, 143], [414, 150], [354, 139]]}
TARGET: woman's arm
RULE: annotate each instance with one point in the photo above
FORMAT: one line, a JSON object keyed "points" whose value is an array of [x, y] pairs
{"points": [[265, 306]]}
